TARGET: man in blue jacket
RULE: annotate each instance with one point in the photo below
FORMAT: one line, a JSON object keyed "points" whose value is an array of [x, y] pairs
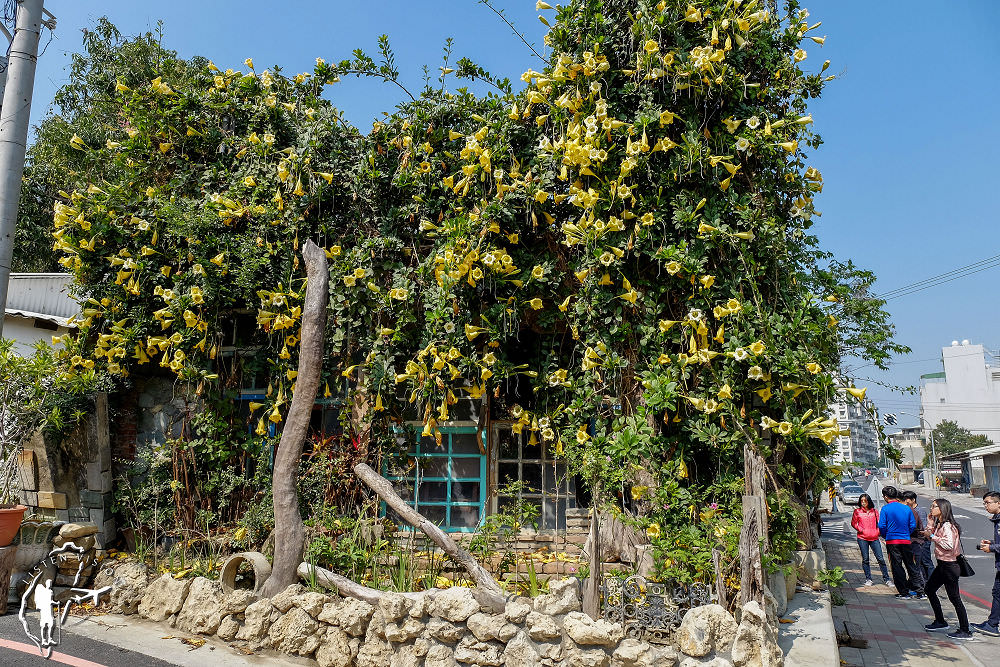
{"points": [[991, 626], [896, 522]]}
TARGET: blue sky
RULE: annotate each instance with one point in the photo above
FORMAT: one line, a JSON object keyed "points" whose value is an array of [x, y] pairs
{"points": [[911, 126]]}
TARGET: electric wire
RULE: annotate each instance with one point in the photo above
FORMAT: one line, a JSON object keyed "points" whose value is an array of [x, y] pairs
{"points": [[940, 279]]}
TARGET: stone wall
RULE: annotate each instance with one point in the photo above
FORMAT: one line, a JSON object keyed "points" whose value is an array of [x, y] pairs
{"points": [[71, 480], [446, 629]]}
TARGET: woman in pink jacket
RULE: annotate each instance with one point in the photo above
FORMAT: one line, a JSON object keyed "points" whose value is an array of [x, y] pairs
{"points": [[946, 535], [865, 521]]}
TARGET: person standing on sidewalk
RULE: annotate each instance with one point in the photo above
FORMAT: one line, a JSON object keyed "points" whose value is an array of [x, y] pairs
{"points": [[946, 536], [895, 523], [865, 522], [920, 544], [991, 626]]}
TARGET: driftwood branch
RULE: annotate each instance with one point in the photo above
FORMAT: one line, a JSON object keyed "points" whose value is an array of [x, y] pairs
{"points": [[381, 486], [349, 588], [289, 531]]}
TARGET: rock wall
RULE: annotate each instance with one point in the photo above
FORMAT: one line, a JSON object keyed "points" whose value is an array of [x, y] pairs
{"points": [[71, 480], [448, 629]]}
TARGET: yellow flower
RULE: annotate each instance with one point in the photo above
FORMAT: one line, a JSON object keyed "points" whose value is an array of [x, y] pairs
{"points": [[757, 348], [653, 531], [538, 272], [249, 182], [707, 281], [725, 392], [536, 303], [673, 268], [799, 55], [326, 176], [666, 324], [651, 46], [248, 62], [813, 367], [765, 394], [217, 260], [165, 146], [857, 393], [692, 14]]}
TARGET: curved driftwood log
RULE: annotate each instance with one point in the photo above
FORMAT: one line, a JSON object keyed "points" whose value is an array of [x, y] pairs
{"points": [[381, 486], [288, 528], [349, 588]]}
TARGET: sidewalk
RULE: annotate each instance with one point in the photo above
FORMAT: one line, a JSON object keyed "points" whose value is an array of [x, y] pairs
{"points": [[894, 628]]}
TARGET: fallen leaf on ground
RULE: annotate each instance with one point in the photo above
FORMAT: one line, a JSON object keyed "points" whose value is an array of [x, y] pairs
{"points": [[193, 643], [786, 620]]}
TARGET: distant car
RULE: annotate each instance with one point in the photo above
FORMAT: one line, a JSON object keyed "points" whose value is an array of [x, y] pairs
{"points": [[851, 493]]}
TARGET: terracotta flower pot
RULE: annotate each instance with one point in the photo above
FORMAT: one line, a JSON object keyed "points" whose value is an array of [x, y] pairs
{"points": [[10, 523]]}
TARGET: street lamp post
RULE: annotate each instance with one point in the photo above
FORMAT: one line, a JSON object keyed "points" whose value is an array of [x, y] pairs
{"points": [[933, 452]]}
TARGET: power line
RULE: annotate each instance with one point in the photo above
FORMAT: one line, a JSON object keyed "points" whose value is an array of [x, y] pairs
{"points": [[940, 279]]}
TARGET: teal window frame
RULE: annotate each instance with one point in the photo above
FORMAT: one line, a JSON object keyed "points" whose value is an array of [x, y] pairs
{"points": [[446, 433]]}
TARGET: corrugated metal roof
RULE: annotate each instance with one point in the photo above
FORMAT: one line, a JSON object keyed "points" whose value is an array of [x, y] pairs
{"points": [[41, 295]]}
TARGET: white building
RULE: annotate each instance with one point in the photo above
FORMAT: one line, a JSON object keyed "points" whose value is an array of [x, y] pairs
{"points": [[966, 392], [909, 441], [861, 446], [38, 307]]}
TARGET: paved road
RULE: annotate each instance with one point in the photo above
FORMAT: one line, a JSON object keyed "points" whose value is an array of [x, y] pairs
{"points": [[976, 526], [16, 650]]}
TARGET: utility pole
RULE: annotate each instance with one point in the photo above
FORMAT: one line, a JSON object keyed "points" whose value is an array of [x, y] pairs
{"points": [[14, 116]]}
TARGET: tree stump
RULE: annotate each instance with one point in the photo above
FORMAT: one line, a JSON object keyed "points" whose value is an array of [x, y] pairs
{"points": [[6, 568]]}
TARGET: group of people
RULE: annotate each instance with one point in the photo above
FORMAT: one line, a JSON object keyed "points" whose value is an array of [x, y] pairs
{"points": [[910, 533]]}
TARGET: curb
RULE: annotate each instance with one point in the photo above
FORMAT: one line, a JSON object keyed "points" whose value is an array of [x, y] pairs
{"points": [[811, 641]]}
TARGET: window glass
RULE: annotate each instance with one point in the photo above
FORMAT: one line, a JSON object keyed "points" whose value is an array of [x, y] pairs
{"points": [[448, 479], [545, 482]]}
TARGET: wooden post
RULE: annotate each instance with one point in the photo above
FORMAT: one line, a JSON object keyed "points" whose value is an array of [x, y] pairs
{"points": [[720, 581], [754, 531], [592, 587], [289, 532], [6, 567]]}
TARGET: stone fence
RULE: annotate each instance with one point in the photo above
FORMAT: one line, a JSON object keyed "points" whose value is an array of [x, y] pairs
{"points": [[446, 629]]}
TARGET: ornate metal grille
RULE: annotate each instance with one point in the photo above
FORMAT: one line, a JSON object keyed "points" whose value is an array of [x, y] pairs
{"points": [[650, 610]]}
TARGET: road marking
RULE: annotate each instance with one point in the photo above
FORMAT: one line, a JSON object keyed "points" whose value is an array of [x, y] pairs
{"points": [[977, 599], [31, 649], [961, 516]]}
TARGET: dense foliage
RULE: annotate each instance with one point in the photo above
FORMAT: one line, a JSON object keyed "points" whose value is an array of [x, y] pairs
{"points": [[617, 258]]}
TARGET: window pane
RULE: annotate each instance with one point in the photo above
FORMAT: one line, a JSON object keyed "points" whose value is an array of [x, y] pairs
{"points": [[464, 443], [465, 492], [531, 475], [532, 451], [508, 444], [508, 473], [435, 513], [431, 446], [434, 491], [561, 514], [466, 468], [436, 466], [549, 476], [547, 521], [504, 503], [464, 517], [404, 488]]}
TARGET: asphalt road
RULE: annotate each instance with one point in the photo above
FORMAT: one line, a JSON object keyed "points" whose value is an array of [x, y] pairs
{"points": [[976, 526], [16, 650]]}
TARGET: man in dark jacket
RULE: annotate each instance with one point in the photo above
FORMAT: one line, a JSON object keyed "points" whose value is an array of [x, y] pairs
{"points": [[921, 545], [896, 522], [991, 626]]}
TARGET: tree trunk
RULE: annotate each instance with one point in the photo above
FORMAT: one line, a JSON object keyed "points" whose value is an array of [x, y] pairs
{"points": [[592, 586], [289, 531], [381, 486]]}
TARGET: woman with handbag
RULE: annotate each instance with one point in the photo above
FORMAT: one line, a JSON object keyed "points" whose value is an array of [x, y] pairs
{"points": [[946, 535]]}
